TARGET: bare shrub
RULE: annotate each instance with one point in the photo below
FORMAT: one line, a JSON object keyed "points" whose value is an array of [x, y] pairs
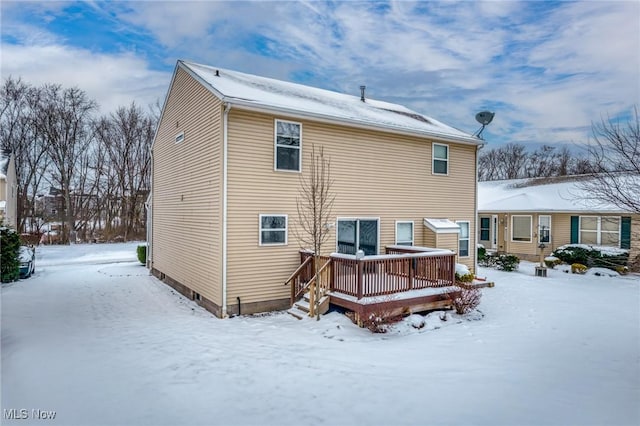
{"points": [[465, 300], [379, 321]]}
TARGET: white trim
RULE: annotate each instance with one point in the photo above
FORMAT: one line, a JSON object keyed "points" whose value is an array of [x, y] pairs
{"points": [[179, 138], [275, 147], [598, 231], [530, 228], [358, 218], [495, 231], [285, 229], [468, 222], [225, 179], [540, 216], [433, 159], [413, 240]]}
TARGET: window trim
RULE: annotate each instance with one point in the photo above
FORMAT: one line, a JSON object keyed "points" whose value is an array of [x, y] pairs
{"points": [[433, 159], [275, 147], [413, 239], [530, 228], [540, 229], [598, 231], [468, 239], [286, 229]]}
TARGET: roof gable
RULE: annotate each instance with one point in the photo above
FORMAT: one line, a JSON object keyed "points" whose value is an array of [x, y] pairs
{"points": [[250, 91]]}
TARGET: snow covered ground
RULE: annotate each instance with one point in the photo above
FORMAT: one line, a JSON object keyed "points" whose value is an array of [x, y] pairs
{"points": [[96, 339]]}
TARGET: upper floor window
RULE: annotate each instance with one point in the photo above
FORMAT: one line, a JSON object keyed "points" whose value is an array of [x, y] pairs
{"points": [[440, 159], [273, 229], [288, 140], [404, 233]]}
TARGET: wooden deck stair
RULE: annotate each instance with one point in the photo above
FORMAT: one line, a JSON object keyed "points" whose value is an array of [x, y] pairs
{"points": [[303, 288], [302, 307]]}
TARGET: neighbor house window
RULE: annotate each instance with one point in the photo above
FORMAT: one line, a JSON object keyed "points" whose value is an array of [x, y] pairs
{"points": [[288, 143], [404, 233], [600, 230], [521, 228], [485, 228], [440, 159], [544, 229], [273, 229], [463, 239]]}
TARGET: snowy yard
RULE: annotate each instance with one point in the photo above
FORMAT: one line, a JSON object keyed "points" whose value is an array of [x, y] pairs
{"points": [[96, 339]]}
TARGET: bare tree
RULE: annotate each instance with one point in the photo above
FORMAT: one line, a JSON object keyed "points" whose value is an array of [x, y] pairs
{"points": [[18, 135], [126, 137], [614, 175], [314, 205], [63, 118]]}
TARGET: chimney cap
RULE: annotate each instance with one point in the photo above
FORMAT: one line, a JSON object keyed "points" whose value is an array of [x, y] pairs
{"points": [[362, 89]]}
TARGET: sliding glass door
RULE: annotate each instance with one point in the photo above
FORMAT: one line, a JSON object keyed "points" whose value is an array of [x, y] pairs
{"points": [[358, 234]]}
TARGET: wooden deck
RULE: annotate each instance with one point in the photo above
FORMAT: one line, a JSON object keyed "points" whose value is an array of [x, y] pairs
{"points": [[405, 280]]}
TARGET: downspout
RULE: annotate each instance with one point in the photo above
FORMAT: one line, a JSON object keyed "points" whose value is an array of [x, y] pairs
{"points": [[475, 228], [225, 131], [149, 263]]}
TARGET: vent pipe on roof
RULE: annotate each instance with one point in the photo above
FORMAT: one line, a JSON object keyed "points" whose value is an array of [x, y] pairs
{"points": [[362, 92], [217, 73]]}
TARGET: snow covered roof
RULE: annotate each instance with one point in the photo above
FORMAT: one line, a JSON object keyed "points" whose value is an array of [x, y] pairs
{"points": [[255, 92], [562, 194], [441, 226]]}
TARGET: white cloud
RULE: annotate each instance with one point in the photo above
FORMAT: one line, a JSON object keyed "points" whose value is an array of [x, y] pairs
{"points": [[111, 80], [549, 68]]}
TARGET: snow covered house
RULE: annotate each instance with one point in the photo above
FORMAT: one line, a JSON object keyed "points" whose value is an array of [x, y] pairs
{"points": [[228, 156], [8, 191], [516, 216]]}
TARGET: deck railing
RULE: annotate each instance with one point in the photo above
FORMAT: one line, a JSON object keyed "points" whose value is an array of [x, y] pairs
{"points": [[401, 269]]}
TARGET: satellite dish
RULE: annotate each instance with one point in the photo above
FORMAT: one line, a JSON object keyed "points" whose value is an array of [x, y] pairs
{"points": [[484, 117]]}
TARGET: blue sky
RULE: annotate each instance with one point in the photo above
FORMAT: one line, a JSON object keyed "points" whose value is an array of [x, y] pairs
{"points": [[547, 69]]}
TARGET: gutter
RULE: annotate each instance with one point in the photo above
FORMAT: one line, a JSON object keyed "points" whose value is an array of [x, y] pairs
{"points": [[225, 131]]}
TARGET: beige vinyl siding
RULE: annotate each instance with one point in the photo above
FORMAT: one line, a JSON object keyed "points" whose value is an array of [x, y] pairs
{"points": [[634, 252], [560, 229], [428, 237], [187, 189], [3, 189], [376, 175]]}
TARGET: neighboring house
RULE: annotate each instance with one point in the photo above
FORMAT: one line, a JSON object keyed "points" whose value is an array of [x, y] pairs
{"points": [[516, 216], [8, 191], [228, 156]]}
